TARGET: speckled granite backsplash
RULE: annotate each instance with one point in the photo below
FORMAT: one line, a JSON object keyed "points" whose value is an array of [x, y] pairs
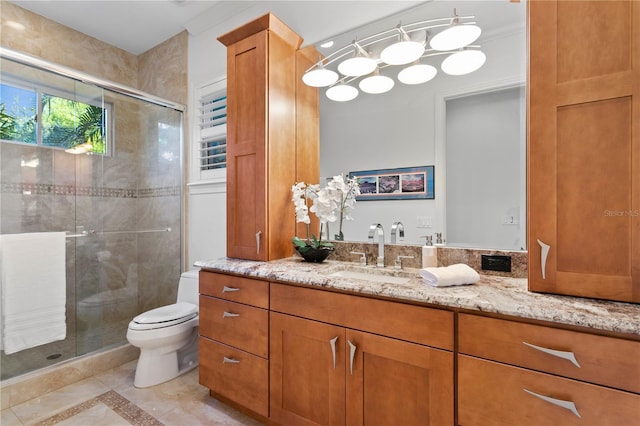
{"points": [[446, 256]]}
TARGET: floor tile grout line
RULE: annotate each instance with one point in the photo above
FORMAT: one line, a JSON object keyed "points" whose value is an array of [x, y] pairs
{"points": [[120, 405]]}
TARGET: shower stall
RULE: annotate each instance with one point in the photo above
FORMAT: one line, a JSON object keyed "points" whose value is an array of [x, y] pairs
{"points": [[115, 191]]}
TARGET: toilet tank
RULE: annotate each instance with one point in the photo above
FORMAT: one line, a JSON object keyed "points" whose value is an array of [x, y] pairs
{"points": [[188, 287]]}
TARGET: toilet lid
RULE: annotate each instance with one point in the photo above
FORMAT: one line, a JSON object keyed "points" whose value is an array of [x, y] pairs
{"points": [[164, 314]]}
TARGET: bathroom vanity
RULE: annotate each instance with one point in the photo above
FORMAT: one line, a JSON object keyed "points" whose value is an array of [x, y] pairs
{"points": [[357, 351]]}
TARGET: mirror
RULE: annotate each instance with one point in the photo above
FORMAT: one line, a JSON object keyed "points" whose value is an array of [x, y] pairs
{"points": [[413, 125]]}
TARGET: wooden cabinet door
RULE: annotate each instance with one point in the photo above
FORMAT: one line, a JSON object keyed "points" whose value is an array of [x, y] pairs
{"points": [[307, 375], [246, 147], [584, 148], [391, 382], [490, 393]]}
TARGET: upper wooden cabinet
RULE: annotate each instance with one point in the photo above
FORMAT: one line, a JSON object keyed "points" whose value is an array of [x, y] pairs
{"points": [[262, 145], [584, 148]]}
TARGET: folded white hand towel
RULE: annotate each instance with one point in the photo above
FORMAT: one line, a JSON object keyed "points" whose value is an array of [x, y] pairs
{"points": [[458, 274]]}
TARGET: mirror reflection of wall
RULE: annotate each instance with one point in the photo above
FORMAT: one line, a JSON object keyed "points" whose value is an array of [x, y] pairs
{"points": [[402, 128], [485, 170]]}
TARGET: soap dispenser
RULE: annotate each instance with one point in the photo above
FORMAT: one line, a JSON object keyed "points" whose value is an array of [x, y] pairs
{"points": [[429, 253]]}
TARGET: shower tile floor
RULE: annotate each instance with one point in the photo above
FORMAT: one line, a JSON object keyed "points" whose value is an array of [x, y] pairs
{"points": [[110, 399]]}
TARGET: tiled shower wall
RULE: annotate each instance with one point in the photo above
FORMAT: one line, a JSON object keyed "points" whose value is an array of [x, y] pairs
{"points": [[95, 192], [116, 271]]}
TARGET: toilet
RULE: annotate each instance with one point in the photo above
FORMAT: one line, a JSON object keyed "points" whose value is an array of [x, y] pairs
{"points": [[167, 336]]}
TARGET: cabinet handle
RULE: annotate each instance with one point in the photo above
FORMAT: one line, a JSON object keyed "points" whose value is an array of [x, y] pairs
{"points": [[352, 355], [332, 342], [226, 314], [258, 234], [226, 360], [569, 356], [226, 289], [567, 405], [543, 257]]}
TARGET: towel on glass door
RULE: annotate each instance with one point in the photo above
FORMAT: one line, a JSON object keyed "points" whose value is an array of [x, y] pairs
{"points": [[458, 274], [33, 297]]}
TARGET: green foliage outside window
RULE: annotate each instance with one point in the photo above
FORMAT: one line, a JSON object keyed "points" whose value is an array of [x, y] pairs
{"points": [[17, 114], [64, 123], [67, 123]]}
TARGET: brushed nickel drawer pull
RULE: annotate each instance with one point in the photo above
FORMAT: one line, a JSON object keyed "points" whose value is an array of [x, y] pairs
{"points": [[567, 405], [226, 289], [226, 360], [332, 342], [226, 314], [258, 235], [569, 356], [352, 355], [544, 252]]}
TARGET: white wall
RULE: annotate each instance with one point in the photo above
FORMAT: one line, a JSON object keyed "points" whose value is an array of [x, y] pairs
{"points": [[483, 170]]}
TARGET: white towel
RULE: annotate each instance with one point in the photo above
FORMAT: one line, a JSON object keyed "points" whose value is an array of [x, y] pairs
{"points": [[458, 274], [33, 298]]}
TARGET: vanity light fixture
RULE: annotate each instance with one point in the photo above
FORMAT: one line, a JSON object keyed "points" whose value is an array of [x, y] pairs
{"points": [[457, 35], [417, 74], [359, 64], [342, 92], [464, 61], [320, 77], [403, 51], [399, 46], [376, 83]]}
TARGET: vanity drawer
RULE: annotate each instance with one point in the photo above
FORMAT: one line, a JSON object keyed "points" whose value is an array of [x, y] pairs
{"points": [[418, 324], [494, 394], [237, 289], [242, 326], [603, 360], [234, 374]]}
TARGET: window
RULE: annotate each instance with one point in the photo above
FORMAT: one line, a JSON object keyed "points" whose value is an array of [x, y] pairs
{"points": [[211, 135], [75, 125], [18, 108]]}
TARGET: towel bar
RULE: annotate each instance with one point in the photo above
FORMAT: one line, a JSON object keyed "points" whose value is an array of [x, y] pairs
{"points": [[94, 232], [143, 231]]}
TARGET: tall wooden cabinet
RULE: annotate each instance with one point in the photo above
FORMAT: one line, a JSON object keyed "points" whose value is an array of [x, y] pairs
{"points": [[584, 148], [262, 141]]}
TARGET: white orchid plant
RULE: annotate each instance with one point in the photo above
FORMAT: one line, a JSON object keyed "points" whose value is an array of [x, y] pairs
{"points": [[334, 202]]}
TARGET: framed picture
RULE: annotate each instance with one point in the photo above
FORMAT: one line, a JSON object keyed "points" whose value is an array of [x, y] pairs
{"points": [[396, 184]]}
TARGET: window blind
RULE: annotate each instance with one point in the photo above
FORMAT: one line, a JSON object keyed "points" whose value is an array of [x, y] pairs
{"points": [[213, 131]]}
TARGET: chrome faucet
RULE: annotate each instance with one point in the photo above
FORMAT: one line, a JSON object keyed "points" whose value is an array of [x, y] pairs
{"points": [[374, 229], [398, 228]]}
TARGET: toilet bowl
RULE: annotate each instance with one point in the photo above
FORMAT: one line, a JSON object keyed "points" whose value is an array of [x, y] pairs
{"points": [[167, 336]]}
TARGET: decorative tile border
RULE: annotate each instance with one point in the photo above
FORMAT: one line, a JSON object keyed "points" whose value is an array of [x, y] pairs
{"points": [[112, 399], [86, 191]]}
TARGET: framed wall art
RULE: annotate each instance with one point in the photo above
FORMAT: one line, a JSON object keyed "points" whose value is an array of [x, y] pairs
{"points": [[396, 184]]}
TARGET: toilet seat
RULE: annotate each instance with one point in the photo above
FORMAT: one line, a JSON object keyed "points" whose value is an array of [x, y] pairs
{"points": [[164, 316]]}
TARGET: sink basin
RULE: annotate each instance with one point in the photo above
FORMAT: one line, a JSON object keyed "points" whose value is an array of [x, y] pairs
{"points": [[370, 277]]}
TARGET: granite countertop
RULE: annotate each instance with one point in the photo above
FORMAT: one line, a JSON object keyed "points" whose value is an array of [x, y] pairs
{"points": [[500, 295]]}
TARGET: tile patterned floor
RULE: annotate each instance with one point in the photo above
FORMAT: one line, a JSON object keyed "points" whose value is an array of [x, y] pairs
{"points": [[110, 399]]}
